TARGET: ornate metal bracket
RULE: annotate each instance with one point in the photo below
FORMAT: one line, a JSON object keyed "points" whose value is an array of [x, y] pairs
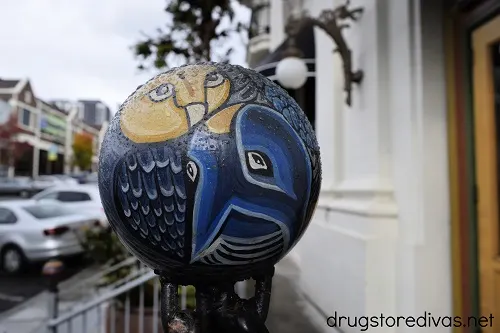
{"points": [[330, 21], [218, 308]]}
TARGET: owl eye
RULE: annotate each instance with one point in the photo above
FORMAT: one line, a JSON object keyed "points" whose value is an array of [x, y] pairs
{"points": [[162, 92], [192, 170], [214, 79], [256, 161], [259, 163]]}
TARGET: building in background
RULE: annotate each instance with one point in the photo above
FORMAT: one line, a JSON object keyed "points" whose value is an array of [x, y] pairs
{"points": [[268, 42], [76, 126], [90, 117], [52, 129], [408, 218], [47, 129], [94, 113], [18, 94], [259, 32]]}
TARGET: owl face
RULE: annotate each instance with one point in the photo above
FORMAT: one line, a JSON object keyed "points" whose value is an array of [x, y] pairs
{"points": [[209, 170], [167, 107]]}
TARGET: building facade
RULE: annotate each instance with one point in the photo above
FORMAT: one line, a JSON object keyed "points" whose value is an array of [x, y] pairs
{"points": [[44, 130], [407, 222], [94, 113]]}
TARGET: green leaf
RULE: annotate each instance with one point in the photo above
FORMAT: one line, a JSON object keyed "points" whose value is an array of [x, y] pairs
{"points": [[143, 49], [160, 63], [197, 23]]}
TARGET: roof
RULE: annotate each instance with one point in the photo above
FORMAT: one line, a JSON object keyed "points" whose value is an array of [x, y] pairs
{"points": [[90, 101], [8, 84], [51, 106]]}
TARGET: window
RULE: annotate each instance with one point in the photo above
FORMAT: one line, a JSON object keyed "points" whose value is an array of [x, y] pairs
{"points": [[28, 97], [100, 113], [25, 117], [47, 211], [7, 217], [68, 196], [260, 21], [52, 195], [81, 111]]}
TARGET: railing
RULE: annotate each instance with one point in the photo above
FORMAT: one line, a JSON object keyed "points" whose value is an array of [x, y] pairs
{"points": [[128, 306], [94, 280], [88, 317]]}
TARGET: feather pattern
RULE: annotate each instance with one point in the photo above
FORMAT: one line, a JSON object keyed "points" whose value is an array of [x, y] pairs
{"points": [[286, 105], [151, 191], [237, 251]]}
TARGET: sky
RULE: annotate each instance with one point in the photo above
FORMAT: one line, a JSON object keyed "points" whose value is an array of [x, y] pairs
{"points": [[80, 49]]}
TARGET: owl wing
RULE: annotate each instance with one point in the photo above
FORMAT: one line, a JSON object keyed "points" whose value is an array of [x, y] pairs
{"points": [[151, 190]]}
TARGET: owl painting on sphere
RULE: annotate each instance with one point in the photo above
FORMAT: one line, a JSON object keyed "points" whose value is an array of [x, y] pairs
{"points": [[209, 168]]}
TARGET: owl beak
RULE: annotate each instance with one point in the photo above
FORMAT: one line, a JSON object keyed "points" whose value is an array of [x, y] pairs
{"points": [[196, 112]]}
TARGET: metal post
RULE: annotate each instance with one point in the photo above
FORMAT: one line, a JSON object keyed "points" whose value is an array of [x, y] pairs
{"points": [[52, 271], [218, 307]]}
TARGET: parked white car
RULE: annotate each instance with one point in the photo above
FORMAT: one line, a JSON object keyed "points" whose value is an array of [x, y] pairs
{"points": [[34, 232], [43, 182], [83, 199]]}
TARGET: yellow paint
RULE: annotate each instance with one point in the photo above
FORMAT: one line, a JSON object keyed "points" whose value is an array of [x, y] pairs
{"points": [[189, 84], [486, 147], [146, 121], [221, 121], [143, 120], [453, 169]]}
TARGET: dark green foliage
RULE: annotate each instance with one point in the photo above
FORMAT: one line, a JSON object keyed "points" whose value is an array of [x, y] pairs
{"points": [[103, 246], [193, 34]]}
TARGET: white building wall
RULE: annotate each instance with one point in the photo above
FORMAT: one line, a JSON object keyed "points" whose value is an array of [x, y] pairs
{"points": [[379, 241], [277, 33]]}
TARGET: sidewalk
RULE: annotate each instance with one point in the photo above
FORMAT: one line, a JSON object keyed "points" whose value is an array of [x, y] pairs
{"points": [[287, 313], [31, 315]]}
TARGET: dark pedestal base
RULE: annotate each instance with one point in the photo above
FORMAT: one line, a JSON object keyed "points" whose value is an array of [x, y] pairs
{"points": [[218, 308]]}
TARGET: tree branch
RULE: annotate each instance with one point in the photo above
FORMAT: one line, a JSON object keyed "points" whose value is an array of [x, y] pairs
{"points": [[198, 22]]}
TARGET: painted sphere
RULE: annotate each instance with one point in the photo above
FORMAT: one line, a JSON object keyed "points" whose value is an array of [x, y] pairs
{"points": [[209, 172]]}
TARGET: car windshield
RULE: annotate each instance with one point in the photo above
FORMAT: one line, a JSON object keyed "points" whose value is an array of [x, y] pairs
{"points": [[47, 211]]}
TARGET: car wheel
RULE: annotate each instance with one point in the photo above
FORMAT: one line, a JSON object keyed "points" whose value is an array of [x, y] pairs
{"points": [[12, 260]]}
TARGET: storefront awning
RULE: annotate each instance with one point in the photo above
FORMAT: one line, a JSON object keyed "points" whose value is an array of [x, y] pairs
{"points": [[39, 143]]}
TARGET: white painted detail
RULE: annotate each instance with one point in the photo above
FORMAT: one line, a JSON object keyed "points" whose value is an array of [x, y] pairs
{"points": [[196, 113]]}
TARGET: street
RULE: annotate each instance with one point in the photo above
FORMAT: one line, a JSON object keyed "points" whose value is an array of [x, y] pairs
{"points": [[16, 289]]}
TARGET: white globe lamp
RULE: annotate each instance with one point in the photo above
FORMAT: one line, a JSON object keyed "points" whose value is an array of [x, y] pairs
{"points": [[291, 72]]}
